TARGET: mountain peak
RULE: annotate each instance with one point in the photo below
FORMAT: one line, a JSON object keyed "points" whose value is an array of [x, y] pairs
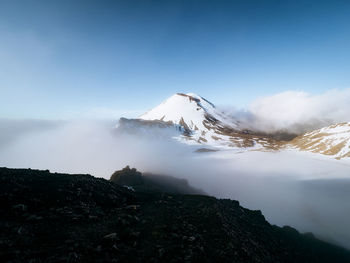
{"points": [[196, 115], [178, 106]]}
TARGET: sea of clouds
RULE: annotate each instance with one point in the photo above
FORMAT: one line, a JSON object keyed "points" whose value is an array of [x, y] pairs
{"points": [[306, 191], [291, 188]]}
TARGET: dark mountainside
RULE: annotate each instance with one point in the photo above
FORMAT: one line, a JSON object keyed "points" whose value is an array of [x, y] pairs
{"points": [[50, 217], [148, 182]]}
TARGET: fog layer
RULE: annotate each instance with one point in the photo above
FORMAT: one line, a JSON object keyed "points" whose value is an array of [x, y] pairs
{"points": [[306, 191]]}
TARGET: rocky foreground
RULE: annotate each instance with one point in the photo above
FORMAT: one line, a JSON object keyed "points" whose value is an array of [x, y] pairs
{"points": [[49, 217]]}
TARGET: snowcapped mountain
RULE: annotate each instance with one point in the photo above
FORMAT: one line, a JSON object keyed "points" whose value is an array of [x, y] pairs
{"points": [[333, 140], [190, 111], [197, 118], [194, 120], [200, 122]]}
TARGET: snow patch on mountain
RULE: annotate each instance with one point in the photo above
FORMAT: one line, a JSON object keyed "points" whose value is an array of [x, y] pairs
{"points": [[332, 140]]}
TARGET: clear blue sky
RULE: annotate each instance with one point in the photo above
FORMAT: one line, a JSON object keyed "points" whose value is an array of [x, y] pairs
{"points": [[61, 58]]}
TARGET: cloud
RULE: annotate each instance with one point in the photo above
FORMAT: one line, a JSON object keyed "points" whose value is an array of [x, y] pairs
{"points": [[81, 146], [295, 111]]}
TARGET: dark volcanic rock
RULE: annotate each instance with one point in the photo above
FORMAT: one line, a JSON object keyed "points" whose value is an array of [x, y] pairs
{"points": [[153, 182], [127, 176], [48, 217]]}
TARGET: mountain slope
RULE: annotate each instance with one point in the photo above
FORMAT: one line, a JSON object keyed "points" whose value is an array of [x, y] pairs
{"points": [[188, 110], [200, 122], [333, 140], [50, 217]]}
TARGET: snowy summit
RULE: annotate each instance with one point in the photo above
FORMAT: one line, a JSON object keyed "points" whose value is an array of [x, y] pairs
{"points": [[189, 110], [201, 122]]}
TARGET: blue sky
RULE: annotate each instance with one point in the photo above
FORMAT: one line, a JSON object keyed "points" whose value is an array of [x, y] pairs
{"points": [[62, 59]]}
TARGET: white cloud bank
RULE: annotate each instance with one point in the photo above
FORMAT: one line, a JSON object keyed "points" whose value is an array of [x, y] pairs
{"points": [[295, 111]]}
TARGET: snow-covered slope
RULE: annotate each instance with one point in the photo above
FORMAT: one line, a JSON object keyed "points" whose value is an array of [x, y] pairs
{"points": [[333, 140], [189, 110], [201, 122]]}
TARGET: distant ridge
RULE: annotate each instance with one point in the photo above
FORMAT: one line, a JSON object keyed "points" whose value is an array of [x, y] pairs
{"points": [[333, 140]]}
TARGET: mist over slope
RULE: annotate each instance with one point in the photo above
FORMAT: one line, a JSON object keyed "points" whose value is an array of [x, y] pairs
{"points": [[294, 112], [333, 140], [281, 184], [79, 218]]}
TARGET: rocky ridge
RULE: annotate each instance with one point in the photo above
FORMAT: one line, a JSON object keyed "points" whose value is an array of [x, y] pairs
{"points": [[49, 217]]}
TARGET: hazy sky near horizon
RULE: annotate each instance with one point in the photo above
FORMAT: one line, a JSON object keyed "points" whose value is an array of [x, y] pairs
{"points": [[69, 58]]}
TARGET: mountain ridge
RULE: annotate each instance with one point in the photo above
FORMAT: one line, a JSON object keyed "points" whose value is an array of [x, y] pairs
{"points": [[333, 140]]}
